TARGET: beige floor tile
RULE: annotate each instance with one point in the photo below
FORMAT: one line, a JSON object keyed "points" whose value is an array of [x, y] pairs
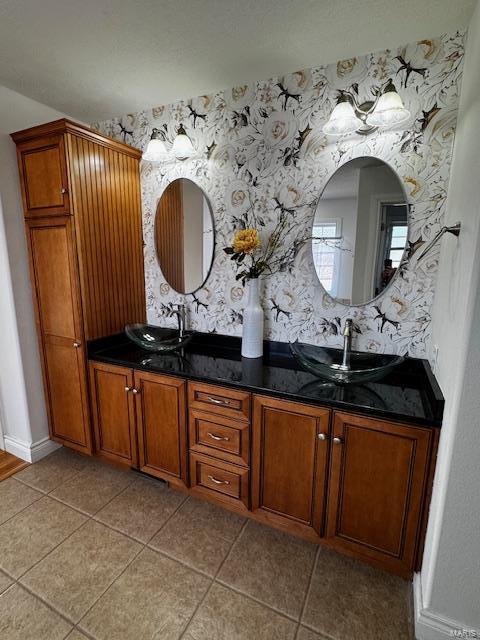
{"points": [[5, 582], [52, 471], [92, 488], [30, 535], [78, 571], [154, 598], [76, 635], [24, 617], [15, 496], [199, 534], [225, 614], [349, 600], [271, 566], [142, 509], [308, 634]]}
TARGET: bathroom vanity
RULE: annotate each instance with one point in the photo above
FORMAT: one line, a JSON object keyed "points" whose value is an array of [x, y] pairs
{"points": [[350, 466]]}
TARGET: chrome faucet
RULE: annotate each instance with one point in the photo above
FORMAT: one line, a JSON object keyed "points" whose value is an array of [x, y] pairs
{"points": [[347, 344], [181, 317]]}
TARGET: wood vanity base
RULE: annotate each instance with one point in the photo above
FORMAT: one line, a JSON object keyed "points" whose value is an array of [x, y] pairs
{"points": [[358, 484]]}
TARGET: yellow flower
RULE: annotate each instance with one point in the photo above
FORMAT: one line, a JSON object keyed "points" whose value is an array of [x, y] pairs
{"points": [[246, 241]]}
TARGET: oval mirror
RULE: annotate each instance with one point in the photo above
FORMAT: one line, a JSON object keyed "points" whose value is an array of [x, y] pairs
{"points": [[360, 231], [184, 235]]}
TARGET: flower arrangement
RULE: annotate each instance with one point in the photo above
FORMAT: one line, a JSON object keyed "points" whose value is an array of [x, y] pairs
{"points": [[254, 258]]}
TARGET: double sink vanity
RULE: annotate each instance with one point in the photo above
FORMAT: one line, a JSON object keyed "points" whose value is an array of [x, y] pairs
{"points": [[346, 465], [344, 459]]}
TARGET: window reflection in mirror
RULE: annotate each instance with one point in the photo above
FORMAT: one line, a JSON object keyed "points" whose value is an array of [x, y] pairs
{"points": [[360, 231], [184, 235]]}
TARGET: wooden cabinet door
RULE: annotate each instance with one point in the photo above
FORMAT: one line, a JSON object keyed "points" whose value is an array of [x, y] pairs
{"points": [[377, 484], [59, 329], [113, 412], [66, 391], [43, 176], [161, 426], [289, 463]]}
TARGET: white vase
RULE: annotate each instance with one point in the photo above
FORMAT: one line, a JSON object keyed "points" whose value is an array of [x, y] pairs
{"points": [[252, 336]]}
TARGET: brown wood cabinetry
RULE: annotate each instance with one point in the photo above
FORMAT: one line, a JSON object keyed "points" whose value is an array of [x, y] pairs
{"points": [[139, 420], [161, 426], [113, 412], [377, 489], [290, 463], [358, 484], [81, 197], [43, 173], [52, 260]]}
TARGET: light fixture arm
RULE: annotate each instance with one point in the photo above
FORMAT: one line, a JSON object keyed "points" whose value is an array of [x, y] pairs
{"points": [[157, 134], [350, 95]]}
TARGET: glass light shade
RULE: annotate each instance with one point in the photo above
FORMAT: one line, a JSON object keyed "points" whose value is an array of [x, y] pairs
{"points": [[155, 151], [182, 146], [343, 120], [389, 110]]}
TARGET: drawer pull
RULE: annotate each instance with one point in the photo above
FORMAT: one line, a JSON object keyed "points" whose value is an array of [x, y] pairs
{"points": [[215, 437], [216, 401], [337, 440], [215, 481]]}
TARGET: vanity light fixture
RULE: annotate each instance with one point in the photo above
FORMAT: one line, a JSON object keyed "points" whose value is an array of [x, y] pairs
{"points": [[156, 150], [350, 116], [182, 147]]}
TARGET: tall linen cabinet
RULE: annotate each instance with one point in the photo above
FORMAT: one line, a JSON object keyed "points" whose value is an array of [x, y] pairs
{"points": [[81, 199]]}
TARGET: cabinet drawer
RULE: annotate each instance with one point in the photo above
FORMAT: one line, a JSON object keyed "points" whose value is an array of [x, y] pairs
{"points": [[219, 480], [227, 402], [221, 437]]}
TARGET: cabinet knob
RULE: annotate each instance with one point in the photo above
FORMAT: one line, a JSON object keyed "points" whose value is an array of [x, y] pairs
{"points": [[322, 436], [337, 440], [135, 390], [77, 345], [63, 190], [127, 389]]}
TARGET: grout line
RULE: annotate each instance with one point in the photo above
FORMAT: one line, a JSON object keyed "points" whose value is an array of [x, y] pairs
{"points": [[213, 580], [42, 495], [18, 578], [163, 553], [46, 493], [307, 593], [142, 548], [254, 599], [46, 604], [86, 513], [50, 552]]}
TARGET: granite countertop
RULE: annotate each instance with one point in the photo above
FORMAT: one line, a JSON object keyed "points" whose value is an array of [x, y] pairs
{"points": [[410, 393]]}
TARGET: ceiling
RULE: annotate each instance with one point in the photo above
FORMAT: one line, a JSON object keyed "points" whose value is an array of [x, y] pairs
{"points": [[95, 59]]}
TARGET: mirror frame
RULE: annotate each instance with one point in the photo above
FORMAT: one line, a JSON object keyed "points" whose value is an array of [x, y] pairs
{"points": [[404, 259], [214, 245]]}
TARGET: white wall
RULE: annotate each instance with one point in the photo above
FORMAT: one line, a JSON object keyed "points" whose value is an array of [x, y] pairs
{"points": [[192, 235], [346, 210], [448, 590], [368, 220], [21, 393]]}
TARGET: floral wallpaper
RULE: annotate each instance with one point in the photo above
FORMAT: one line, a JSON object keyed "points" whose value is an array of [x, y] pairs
{"points": [[261, 154]]}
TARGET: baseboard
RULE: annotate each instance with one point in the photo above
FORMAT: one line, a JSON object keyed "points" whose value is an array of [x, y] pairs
{"points": [[430, 625], [30, 452]]}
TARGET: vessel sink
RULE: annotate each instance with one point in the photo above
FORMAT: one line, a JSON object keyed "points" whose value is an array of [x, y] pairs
{"points": [[157, 339], [326, 363]]}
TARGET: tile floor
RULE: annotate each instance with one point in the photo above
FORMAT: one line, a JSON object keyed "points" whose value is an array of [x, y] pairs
{"points": [[91, 552]]}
